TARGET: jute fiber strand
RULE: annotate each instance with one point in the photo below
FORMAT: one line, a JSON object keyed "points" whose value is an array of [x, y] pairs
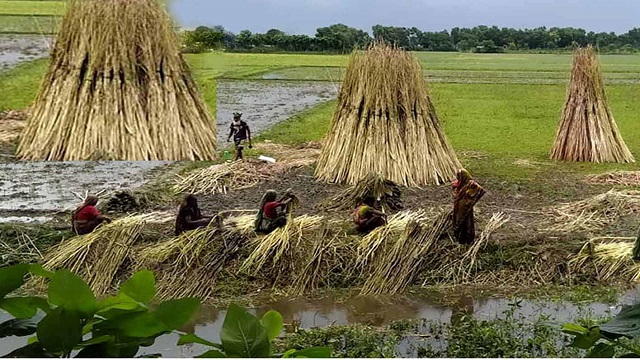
{"points": [[588, 131], [188, 265], [118, 88], [385, 123], [98, 257]]}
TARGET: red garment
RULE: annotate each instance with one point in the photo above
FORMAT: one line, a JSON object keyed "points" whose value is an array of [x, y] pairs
{"points": [[269, 209], [87, 213]]}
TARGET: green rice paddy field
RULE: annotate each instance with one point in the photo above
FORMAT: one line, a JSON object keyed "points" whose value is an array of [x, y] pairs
{"points": [[30, 17], [497, 109]]}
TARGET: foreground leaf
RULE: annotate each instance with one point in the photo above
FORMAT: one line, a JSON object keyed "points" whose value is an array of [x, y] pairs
{"points": [[273, 323], [212, 354], [195, 339], [243, 335], [140, 287], [317, 352], [626, 323], [574, 329], [38, 270], [19, 307], [70, 292], [177, 313], [141, 325], [602, 351], [18, 327], [60, 331], [11, 278], [33, 351], [115, 306]]}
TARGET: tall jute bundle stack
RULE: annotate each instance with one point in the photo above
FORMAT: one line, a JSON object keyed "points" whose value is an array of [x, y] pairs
{"points": [[386, 123], [588, 131], [118, 88]]}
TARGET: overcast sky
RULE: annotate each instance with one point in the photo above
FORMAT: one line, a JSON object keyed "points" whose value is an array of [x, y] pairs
{"points": [[304, 16]]}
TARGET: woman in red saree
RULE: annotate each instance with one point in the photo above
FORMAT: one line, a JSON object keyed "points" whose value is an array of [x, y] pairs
{"points": [[467, 193]]}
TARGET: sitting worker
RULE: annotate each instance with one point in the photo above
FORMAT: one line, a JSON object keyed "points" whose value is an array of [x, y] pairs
{"points": [[273, 213], [466, 194], [240, 132], [87, 217], [367, 217], [190, 217]]}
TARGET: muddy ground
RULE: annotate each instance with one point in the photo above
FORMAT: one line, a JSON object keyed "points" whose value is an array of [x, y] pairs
{"points": [[264, 104], [15, 49], [35, 189]]}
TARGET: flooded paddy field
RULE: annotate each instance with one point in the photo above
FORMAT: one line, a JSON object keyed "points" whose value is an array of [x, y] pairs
{"points": [[41, 187], [266, 103], [15, 49]]}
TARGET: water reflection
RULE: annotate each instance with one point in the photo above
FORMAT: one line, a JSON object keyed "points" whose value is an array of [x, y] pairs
{"points": [[366, 310]]}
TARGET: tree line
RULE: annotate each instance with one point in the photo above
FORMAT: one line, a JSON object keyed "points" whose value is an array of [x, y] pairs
{"points": [[340, 38]]}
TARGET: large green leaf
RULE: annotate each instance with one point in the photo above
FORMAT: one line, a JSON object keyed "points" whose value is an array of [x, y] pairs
{"points": [[140, 287], [141, 325], [574, 329], [317, 352], [11, 278], [177, 313], [38, 270], [626, 323], [18, 327], [242, 335], [273, 322], [586, 341], [33, 350], [119, 305], [60, 331], [195, 339], [70, 292], [19, 307], [212, 354], [601, 351], [95, 351]]}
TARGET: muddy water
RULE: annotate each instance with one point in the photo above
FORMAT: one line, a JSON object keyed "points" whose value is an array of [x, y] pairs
{"points": [[25, 219], [49, 186], [374, 311], [15, 49], [265, 103]]}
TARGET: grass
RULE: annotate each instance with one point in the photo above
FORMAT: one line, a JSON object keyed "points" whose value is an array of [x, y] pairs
{"points": [[504, 122], [20, 84], [310, 125], [26, 24], [19, 7]]}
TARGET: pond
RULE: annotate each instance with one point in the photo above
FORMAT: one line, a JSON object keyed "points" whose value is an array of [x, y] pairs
{"points": [[369, 310]]}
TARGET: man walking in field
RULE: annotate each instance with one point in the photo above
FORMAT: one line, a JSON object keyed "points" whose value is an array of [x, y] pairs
{"points": [[240, 132]]}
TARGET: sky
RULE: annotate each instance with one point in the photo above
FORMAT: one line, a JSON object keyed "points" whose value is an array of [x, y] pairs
{"points": [[305, 16]]}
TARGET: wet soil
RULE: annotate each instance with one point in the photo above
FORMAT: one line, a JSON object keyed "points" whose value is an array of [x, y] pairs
{"points": [[373, 311], [15, 49], [49, 186], [264, 104]]}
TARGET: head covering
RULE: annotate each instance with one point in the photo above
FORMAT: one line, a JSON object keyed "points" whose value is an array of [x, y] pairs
{"points": [[463, 177], [269, 196], [90, 200], [190, 201]]}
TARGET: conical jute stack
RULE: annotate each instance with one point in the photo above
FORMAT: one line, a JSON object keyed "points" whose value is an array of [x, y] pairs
{"points": [[587, 130], [118, 88], [385, 123]]}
